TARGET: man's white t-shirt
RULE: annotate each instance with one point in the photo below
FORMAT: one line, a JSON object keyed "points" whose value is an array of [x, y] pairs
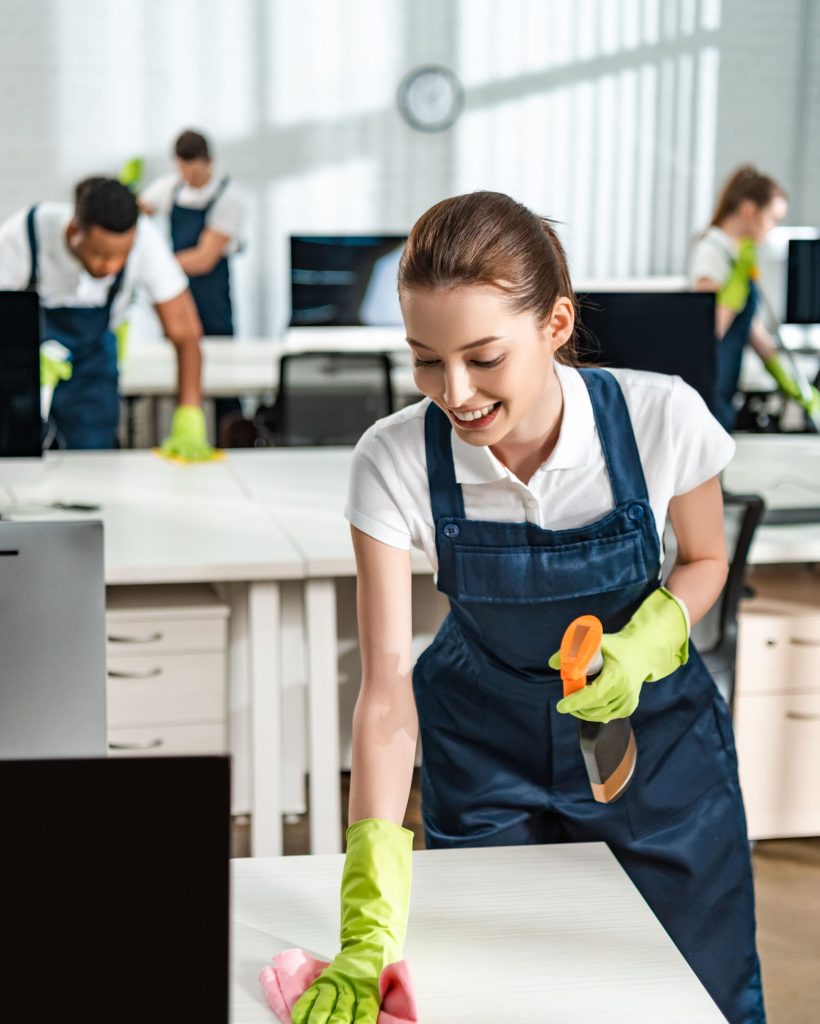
{"points": [[61, 278], [226, 216], [681, 445], [713, 256]]}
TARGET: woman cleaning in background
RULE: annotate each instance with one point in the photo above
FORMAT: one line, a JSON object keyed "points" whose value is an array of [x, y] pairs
{"points": [[724, 260], [539, 493]]}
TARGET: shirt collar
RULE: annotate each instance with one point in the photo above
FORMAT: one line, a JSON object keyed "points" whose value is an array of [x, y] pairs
{"points": [[575, 445]]}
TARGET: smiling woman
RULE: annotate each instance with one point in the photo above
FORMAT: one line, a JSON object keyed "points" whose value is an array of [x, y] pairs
{"points": [[540, 493]]}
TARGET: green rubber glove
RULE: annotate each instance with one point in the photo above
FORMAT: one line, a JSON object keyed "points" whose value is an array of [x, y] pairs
{"points": [[375, 906], [121, 335], [131, 173], [651, 646], [735, 291], [52, 371], [788, 385], [187, 440]]}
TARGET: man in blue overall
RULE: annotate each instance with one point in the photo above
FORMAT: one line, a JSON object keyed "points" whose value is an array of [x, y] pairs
{"points": [[205, 215], [85, 261]]}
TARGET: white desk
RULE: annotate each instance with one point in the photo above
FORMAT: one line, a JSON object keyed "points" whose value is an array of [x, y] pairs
{"points": [[786, 472], [166, 523], [528, 934], [244, 366]]}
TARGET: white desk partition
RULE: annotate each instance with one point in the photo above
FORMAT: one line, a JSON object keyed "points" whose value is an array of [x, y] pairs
{"points": [[527, 934]]}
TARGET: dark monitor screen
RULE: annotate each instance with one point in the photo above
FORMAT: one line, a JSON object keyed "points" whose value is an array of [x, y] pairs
{"points": [[665, 332], [115, 889], [803, 281], [345, 280], [20, 430]]}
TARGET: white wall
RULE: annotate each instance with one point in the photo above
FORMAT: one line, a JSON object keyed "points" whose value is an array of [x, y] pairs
{"points": [[617, 117]]}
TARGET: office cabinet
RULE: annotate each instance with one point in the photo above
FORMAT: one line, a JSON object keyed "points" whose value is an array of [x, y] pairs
{"points": [[167, 671], [777, 703]]}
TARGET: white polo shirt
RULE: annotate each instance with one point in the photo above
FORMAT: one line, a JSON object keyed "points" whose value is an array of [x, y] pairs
{"points": [[226, 216], [681, 445], [712, 256], [61, 278]]}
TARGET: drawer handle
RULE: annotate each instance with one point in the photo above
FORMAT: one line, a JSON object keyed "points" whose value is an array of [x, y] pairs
{"points": [[151, 673], [800, 642], [803, 716], [149, 745], [152, 638]]}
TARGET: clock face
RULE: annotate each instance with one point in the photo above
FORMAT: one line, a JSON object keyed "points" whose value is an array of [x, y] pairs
{"points": [[430, 98]]}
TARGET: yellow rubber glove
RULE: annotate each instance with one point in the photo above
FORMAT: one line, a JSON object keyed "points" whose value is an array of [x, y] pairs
{"points": [[187, 441], [652, 645], [375, 906], [121, 334], [131, 173], [789, 386], [735, 292], [52, 371]]}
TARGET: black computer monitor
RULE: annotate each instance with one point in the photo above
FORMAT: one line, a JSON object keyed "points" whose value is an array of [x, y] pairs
{"points": [[666, 332], [803, 281], [115, 889], [345, 280], [20, 428]]}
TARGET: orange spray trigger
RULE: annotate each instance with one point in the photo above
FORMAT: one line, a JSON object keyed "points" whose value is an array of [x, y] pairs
{"points": [[580, 649]]}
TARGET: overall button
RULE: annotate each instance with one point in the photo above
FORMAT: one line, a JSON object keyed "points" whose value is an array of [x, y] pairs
{"points": [[635, 512], [451, 530]]}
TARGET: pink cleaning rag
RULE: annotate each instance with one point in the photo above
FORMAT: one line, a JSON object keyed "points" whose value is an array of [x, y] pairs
{"points": [[294, 971]]}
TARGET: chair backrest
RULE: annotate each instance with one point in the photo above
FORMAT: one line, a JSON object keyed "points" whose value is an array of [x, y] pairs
{"points": [[716, 634], [331, 398]]}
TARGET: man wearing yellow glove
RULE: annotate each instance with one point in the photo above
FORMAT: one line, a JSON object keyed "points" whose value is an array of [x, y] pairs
{"points": [[85, 260], [724, 261], [375, 905]]}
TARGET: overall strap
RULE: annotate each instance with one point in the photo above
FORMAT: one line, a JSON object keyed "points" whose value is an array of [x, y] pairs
{"points": [[446, 498], [623, 462], [32, 244], [222, 186], [175, 193]]}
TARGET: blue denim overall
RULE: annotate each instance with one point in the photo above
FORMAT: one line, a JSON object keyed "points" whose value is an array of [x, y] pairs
{"points": [[211, 291], [86, 408], [502, 767]]}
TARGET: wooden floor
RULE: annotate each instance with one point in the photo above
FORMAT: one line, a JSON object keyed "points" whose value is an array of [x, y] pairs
{"points": [[787, 882]]}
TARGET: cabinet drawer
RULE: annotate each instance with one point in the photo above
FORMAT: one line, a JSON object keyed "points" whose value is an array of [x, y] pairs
{"points": [[127, 637], [166, 689], [778, 745], [778, 654], [167, 740]]}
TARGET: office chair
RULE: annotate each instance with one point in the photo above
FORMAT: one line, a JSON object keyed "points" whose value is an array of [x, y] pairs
{"points": [[719, 657], [327, 398]]}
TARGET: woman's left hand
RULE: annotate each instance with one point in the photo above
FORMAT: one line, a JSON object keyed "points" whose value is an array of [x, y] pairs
{"points": [[652, 645]]}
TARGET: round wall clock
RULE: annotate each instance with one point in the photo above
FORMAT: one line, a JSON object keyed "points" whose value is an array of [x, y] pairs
{"points": [[430, 98]]}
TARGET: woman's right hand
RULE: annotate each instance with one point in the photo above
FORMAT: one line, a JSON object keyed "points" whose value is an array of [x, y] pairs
{"points": [[375, 906]]}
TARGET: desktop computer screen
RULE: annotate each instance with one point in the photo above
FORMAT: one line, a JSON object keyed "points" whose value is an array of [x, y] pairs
{"points": [[345, 280], [20, 429], [803, 281], [665, 332]]}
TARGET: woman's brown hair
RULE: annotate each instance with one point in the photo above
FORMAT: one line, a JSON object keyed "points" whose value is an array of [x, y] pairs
{"points": [[745, 183], [487, 238]]}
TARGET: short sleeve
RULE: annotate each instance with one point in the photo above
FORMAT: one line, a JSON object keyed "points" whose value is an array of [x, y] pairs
{"points": [[701, 446], [158, 194], [373, 500], [709, 260], [15, 255], [158, 270], [226, 215]]}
